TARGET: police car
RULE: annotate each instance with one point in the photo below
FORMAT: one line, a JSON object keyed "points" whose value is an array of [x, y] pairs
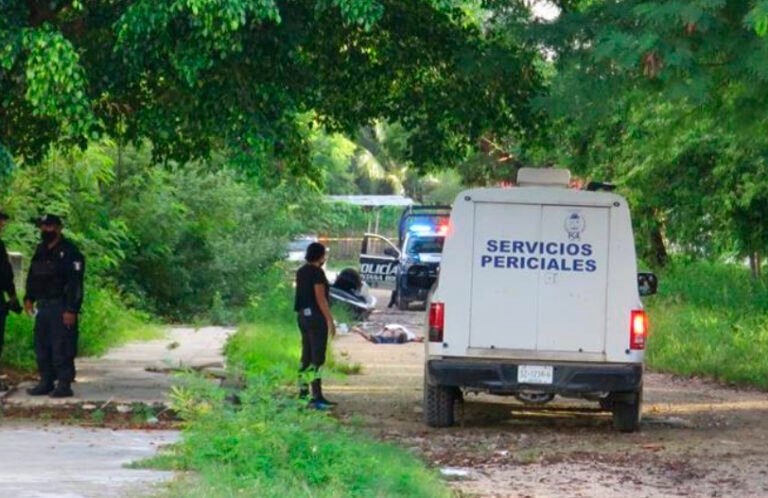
{"points": [[384, 264], [538, 295]]}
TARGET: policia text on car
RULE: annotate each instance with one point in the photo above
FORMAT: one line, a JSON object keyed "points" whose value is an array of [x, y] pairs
{"points": [[54, 296]]}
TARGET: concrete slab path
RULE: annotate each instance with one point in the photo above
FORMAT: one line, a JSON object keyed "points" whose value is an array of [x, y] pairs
{"points": [[137, 371], [41, 460], [73, 462]]}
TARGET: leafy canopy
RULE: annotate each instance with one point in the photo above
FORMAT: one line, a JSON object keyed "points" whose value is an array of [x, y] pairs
{"points": [[199, 75]]}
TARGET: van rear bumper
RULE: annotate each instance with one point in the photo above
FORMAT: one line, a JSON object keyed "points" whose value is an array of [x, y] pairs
{"points": [[568, 378]]}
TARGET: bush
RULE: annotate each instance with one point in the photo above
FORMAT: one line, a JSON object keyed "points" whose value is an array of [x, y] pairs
{"points": [[710, 319], [172, 236]]}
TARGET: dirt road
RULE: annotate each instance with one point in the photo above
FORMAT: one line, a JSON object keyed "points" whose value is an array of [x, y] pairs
{"points": [[698, 439]]}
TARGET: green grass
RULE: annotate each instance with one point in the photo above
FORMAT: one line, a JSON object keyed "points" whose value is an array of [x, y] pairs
{"points": [[710, 320], [271, 445], [105, 322]]}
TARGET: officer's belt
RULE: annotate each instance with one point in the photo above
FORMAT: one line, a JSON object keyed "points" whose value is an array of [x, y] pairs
{"points": [[47, 303]]}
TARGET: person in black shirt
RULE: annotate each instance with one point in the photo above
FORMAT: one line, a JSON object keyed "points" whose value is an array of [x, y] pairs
{"points": [[315, 323], [55, 289], [7, 287]]}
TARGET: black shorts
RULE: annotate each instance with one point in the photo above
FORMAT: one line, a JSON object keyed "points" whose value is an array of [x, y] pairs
{"points": [[314, 340]]}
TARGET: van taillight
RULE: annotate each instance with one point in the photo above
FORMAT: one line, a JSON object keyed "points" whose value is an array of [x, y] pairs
{"points": [[638, 332], [436, 322]]}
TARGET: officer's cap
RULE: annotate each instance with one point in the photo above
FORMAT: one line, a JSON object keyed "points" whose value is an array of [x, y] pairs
{"points": [[49, 219]]}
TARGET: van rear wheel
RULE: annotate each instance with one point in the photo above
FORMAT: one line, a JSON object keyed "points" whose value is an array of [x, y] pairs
{"points": [[627, 411], [439, 402]]}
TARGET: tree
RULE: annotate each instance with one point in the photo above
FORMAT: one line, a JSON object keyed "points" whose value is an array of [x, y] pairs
{"points": [[199, 75], [668, 100]]}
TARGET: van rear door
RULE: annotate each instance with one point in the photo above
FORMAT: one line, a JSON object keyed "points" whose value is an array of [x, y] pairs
{"points": [[539, 277], [572, 300]]}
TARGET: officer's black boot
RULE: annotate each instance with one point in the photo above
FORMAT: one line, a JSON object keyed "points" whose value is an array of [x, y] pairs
{"points": [[63, 390], [43, 388], [318, 400]]}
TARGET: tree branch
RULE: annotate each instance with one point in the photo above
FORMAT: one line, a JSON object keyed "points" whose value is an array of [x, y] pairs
{"points": [[42, 11]]}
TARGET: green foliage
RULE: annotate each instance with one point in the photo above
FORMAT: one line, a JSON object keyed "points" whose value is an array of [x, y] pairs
{"points": [[666, 100], [55, 81], [710, 320], [177, 239], [442, 188], [197, 76]]}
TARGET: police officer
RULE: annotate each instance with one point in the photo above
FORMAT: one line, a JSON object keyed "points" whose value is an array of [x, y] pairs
{"points": [[8, 288], [54, 296]]}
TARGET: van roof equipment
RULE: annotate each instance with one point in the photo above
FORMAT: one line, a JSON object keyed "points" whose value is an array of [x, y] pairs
{"points": [[543, 177]]}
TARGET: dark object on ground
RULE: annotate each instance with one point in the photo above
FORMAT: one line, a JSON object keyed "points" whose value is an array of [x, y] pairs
{"points": [[42, 389], [62, 391], [390, 334], [349, 291]]}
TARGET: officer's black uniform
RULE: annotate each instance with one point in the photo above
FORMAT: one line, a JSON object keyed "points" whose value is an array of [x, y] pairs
{"points": [[55, 285], [8, 288]]}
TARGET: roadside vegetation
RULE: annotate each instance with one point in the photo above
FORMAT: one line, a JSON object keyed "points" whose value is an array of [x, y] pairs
{"points": [[710, 319], [105, 323], [163, 242], [269, 444]]}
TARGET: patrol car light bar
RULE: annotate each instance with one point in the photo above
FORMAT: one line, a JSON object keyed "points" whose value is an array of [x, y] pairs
{"points": [[436, 322], [638, 330], [421, 228], [440, 229]]}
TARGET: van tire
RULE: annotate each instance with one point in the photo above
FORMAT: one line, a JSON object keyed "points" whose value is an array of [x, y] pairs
{"points": [[439, 402], [627, 411]]}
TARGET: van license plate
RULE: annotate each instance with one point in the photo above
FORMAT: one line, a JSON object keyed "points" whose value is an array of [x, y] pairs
{"points": [[534, 374]]}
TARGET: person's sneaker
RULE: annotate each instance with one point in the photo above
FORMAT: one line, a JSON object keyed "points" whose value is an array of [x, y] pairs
{"points": [[40, 390], [62, 392], [329, 403], [319, 404]]}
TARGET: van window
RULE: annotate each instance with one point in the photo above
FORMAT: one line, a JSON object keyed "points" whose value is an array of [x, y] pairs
{"points": [[425, 245]]}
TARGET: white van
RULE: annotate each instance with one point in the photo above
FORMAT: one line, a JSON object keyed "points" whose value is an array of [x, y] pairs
{"points": [[538, 296]]}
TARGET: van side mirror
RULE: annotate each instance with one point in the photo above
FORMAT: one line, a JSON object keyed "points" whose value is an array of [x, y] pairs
{"points": [[391, 252], [647, 283]]}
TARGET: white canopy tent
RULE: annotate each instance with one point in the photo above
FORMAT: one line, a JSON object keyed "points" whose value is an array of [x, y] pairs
{"points": [[374, 203]]}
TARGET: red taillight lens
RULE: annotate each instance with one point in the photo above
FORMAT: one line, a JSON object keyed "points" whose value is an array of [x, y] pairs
{"points": [[436, 322], [638, 330]]}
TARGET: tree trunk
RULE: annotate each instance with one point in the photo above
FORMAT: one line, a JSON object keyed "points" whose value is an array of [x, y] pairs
{"points": [[659, 254], [754, 265]]}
